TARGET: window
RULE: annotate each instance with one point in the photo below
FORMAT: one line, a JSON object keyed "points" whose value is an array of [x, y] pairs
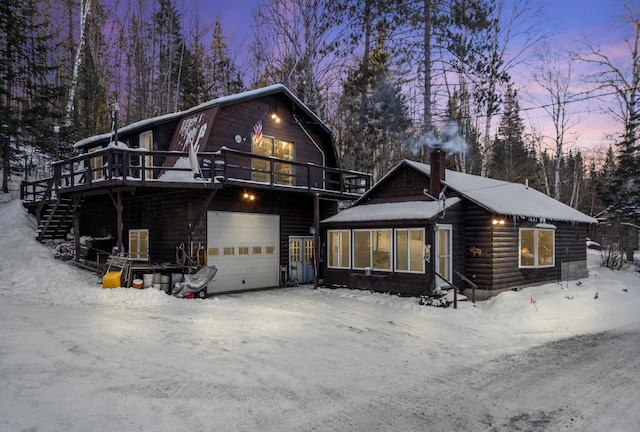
{"points": [[279, 149], [139, 244], [226, 251], [146, 142], [537, 247], [243, 250], [409, 250], [372, 249], [339, 248], [213, 251], [256, 250], [362, 249], [95, 164]]}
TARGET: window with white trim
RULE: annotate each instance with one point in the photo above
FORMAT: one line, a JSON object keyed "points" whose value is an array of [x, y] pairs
{"points": [[339, 248], [537, 248], [139, 244], [372, 249], [409, 250]]}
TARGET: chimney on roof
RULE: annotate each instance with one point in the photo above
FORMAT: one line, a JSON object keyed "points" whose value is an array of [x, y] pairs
{"points": [[437, 165]]}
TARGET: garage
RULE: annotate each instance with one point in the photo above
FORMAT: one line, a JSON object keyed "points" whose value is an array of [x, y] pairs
{"points": [[244, 248]]}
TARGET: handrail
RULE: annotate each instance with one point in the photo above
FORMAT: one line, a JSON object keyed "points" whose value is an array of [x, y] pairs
{"points": [[132, 165]]}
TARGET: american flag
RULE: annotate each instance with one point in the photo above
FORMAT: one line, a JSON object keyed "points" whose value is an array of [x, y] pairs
{"points": [[257, 133]]}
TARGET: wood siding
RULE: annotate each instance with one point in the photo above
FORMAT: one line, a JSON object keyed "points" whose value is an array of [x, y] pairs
{"points": [[497, 268], [168, 215], [405, 184], [399, 282]]}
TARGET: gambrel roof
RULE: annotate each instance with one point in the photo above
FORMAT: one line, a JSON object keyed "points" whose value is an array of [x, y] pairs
{"points": [[222, 101]]}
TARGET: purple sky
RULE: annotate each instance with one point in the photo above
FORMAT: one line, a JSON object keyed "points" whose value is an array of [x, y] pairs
{"points": [[569, 20]]}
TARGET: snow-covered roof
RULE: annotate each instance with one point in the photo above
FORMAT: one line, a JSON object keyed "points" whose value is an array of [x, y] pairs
{"points": [[506, 198], [225, 100], [393, 211]]}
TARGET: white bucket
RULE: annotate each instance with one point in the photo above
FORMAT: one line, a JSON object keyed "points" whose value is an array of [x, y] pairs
{"points": [[157, 278], [147, 280], [157, 286], [175, 278]]}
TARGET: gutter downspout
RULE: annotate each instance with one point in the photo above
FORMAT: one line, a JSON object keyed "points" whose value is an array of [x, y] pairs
{"points": [[324, 157]]}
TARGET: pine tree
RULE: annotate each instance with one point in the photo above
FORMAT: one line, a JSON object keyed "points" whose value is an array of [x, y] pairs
{"points": [[510, 159], [26, 92], [223, 75], [170, 48]]}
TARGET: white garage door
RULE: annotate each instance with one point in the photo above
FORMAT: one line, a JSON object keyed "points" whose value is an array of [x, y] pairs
{"points": [[244, 248]]}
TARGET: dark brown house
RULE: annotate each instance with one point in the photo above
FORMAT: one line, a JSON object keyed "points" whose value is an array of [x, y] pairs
{"points": [[422, 227], [240, 182]]}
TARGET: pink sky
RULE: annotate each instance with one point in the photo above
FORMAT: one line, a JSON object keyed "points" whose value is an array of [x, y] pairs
{"points": [[569, 20]]}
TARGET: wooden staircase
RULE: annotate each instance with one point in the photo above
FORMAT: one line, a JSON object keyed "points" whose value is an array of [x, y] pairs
{"points": [[55, 218]]}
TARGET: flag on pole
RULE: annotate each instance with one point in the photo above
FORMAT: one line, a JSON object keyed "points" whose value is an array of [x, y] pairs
{"points": [[193, 161], [257, 133]]}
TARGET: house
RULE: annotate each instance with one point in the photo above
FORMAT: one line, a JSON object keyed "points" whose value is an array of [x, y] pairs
{"points": [[240, 182], [422, 227]]}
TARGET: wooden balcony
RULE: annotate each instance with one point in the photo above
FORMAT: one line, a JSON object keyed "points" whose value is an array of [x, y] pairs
{"points": [[118, 168]]}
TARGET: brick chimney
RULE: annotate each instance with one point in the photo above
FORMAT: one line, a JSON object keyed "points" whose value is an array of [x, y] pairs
{"points": [[437, 165]]}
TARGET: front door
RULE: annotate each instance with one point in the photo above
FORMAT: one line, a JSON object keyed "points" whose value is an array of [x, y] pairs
{"points": [[301, 259], [443, 262]]}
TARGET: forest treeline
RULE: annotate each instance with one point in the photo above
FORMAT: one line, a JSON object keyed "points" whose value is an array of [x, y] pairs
{"points": [[390, 78]]}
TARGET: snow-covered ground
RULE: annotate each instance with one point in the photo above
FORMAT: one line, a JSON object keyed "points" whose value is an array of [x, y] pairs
{"points": [[76, 357]]}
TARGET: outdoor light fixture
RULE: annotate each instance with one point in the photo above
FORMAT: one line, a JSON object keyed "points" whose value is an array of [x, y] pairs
{"points": [[275, 117], [248, 196], [497, 221]]}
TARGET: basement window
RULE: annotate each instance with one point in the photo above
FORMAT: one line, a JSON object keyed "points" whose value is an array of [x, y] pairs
{"points": [[537, 248]]}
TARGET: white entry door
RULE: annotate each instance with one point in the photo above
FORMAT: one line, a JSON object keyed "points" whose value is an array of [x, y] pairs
{"points": [[244, 248], [443, 260], [301, 259]]}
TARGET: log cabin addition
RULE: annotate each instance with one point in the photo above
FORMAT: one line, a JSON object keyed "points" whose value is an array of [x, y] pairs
{"points": [[422, 227]]}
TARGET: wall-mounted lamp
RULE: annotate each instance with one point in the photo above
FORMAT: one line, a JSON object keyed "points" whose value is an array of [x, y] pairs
{"points": [[248, 196], [275, 117], [497, 220]]}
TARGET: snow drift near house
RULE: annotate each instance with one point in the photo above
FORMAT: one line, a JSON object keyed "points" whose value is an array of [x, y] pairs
{"points": [[76, 357]]}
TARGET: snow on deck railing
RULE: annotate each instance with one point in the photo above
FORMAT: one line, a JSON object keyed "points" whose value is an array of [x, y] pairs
{"points": [[135, 166]]}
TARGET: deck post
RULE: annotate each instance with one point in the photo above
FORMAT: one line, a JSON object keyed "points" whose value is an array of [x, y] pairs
{"points": [[119, 229], [316, 238]]}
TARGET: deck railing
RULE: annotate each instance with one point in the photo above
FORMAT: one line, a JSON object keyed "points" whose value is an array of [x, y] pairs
{"points": [[139, 167]]}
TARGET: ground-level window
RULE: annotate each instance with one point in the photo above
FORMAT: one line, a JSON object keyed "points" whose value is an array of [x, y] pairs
{"points": [[537, 247], [139, 244], [409, 250], [372, 249], [339, 248]]}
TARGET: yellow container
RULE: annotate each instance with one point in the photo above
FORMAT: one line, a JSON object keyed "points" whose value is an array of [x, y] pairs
{"points": [[111, 279]]}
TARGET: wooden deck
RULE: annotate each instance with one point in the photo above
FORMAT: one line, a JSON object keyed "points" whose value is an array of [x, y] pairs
{"points": [[120, 169]]}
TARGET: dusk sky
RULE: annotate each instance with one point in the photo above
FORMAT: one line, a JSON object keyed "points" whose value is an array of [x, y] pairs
{"points": [[569, 20]]}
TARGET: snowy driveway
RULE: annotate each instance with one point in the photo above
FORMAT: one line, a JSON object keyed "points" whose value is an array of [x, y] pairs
{"points": [[76, 358], [300, 360]]}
